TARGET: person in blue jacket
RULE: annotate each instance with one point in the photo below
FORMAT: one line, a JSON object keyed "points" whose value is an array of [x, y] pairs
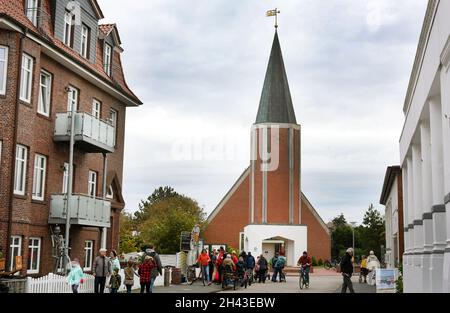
{"points": [[76, 276]]}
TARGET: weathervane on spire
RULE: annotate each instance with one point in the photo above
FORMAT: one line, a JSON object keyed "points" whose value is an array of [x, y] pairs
{"points": [[274, 13]]}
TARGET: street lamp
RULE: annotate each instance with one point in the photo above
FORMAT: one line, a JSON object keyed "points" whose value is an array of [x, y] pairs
{"points": [[353, 231]]}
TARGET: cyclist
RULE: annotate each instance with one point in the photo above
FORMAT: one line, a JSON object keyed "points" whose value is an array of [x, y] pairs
{"points": [[305, 263]]}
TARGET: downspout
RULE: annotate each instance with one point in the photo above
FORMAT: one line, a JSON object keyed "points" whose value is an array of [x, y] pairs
{"points": [[14, 143]]}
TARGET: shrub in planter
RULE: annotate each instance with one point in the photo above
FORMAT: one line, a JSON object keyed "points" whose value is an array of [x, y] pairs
{"points": [[320, 263], [314, 261]]}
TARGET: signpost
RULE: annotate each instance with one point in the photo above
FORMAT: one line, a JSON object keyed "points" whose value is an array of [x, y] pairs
{"points": [[185, 242]]}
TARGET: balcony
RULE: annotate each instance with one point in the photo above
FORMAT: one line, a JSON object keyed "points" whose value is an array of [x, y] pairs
{"points": [[91, 134], [84, 211]]}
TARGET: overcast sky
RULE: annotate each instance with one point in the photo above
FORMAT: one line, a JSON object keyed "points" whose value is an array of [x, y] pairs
{"points": [[199, 68]]}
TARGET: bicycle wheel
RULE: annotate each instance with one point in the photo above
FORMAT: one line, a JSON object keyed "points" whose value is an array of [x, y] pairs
{"points": [[301, 281], [327, 265]]}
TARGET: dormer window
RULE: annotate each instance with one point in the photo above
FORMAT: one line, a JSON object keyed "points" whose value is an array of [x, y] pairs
{"points": [[107, 59], [32, 10], [110, 193], [69, 25]]}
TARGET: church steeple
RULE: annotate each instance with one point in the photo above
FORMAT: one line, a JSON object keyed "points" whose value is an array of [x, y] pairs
{"points": [[276, 102]]}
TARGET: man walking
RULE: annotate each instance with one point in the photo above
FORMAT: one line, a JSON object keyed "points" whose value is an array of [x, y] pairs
{"points": [[347, 271], [156, 271], [102, 269]]}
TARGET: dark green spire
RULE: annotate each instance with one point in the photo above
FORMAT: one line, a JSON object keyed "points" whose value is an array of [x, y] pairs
{"points": [[276, 102]]}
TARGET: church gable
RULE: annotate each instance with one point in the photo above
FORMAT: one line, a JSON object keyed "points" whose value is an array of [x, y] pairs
{"points": [[231, 215]]}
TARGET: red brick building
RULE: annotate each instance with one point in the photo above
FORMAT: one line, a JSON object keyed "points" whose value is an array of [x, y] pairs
{"points": [[55, 55], [265, 211]]}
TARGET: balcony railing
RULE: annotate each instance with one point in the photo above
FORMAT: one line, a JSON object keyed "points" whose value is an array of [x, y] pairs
{"points": [[91, 133], [84, 210]]}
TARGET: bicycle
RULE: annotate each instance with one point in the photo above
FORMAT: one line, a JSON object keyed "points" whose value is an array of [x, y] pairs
{"points": [[193, 277], [302, 281]]}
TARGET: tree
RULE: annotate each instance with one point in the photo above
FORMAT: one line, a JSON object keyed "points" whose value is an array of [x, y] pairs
{"points": [[128, 241], [163, 217], [373, 231], [158, 195]]}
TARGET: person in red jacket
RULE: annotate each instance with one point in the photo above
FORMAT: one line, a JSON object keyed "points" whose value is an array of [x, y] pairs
{"points": [[305, 263], [234, 257], [203, 260], [219, 262], [145, 273]]}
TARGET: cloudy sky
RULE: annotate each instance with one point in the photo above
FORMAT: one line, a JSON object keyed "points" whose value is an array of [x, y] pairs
{"points": [[199, 68]]}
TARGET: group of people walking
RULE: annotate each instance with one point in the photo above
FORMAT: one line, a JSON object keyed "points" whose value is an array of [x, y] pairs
{"points": [[368, 267], [218, 262], [148, 267]]}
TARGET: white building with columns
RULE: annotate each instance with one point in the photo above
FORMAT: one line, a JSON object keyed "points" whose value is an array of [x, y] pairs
{"points": [[425, 158]]}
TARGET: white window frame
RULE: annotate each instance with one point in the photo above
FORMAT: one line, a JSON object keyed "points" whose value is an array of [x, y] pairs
{"points": [[65, 183], [31, 254], [32, 10], [12, 247], [72, 99], [88, 246], [107, 56], [4, 75], [68, 23], [241, 242], [113, 119], [40, 170], [84, 41], [20, 171], [45, 89], [26, 78], [96, 108], [92, 184]]}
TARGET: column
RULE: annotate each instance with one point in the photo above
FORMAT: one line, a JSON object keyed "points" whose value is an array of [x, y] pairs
{"points": [[438, 209], [427, 199], [405, 227], [445, 118], [411, 274], [104, 233], [418, 224]]}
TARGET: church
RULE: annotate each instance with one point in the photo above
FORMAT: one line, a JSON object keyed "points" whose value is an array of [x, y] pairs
{"points": [[265, 211]]}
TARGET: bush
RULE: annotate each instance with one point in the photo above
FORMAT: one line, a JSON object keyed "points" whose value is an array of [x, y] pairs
{"points": [[314, 261], [320, 263]]}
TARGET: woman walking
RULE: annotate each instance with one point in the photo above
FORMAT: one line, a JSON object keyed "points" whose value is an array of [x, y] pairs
{"points": [[204, 260], [129, 275]]}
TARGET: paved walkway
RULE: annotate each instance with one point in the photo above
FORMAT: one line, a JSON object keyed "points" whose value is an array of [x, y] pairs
{"points": [[322, 281]]}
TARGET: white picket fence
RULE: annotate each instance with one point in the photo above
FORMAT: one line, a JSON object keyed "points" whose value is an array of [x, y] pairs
{"points": [[58, 284]]}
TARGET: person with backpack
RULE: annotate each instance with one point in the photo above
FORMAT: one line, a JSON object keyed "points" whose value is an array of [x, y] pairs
{"points": [[157, 270], [262, 268], [278, 266], [272, 263]]}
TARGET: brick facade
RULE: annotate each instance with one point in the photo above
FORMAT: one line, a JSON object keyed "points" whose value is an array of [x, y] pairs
{"points": [[29, 218]]}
